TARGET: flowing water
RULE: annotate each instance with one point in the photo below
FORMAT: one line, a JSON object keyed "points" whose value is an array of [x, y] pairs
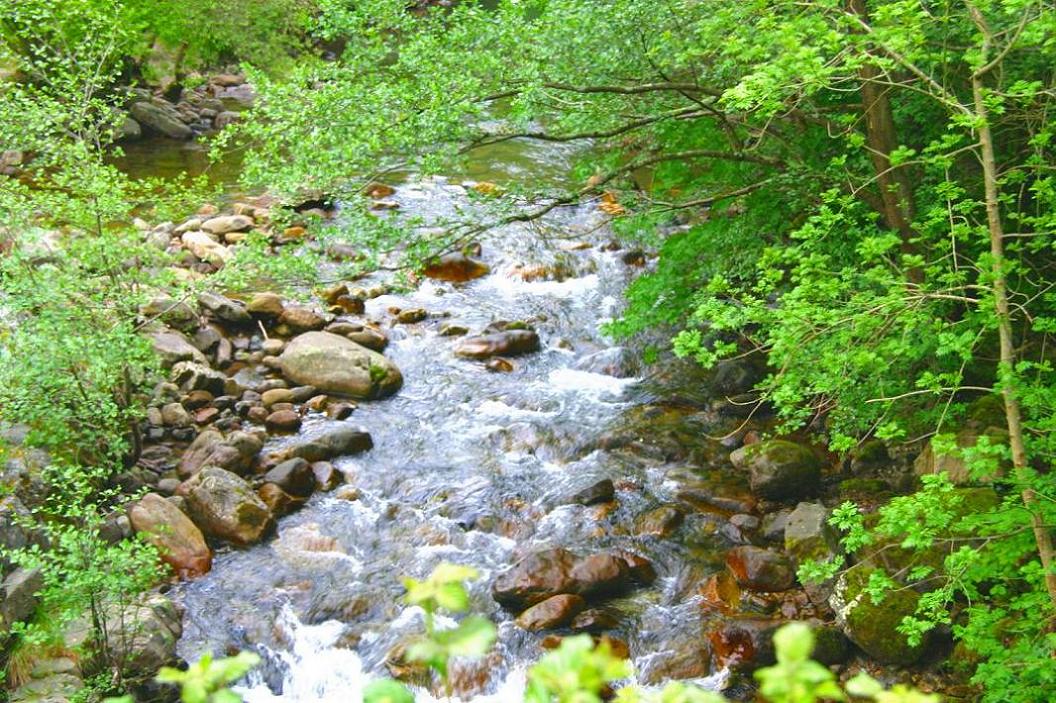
{"points": [[470, 467]]}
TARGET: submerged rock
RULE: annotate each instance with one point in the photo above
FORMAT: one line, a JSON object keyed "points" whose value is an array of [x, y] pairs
{"points": [[456, 268], [337, 365], [508, 343]]}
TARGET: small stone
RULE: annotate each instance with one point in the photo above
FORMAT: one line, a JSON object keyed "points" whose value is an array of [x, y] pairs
{"points": [[411, 316], [760, 569], [268, 305], [601, 492], [283, 421], [499, 365]]}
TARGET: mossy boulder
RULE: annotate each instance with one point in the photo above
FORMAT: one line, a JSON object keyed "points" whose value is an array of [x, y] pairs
{"points": [[780, 470], [874, 626]]}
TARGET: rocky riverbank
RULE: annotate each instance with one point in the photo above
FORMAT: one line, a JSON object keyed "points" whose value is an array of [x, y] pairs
{"points": [[659, 502]]}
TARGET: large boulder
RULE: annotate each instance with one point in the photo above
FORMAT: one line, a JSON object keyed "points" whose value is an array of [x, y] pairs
{"points": [[932, 462], [874, 626], [177, 539], [337, 365], [780, 470], [225, 506], [161, 119], [507, 343]]}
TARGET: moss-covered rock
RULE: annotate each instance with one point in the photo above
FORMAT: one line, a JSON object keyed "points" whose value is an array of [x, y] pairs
{"points": [[780, 470], [874, 626]]}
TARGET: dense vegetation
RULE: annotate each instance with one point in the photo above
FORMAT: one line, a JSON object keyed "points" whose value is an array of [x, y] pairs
{"points": [[858, 192]]}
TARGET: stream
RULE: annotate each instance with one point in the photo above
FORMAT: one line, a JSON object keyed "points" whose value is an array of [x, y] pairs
{"points": [[473, 467]]}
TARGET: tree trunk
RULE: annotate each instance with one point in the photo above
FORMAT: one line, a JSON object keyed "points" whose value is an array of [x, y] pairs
{"points": [[1013, 416], [881, 138]]}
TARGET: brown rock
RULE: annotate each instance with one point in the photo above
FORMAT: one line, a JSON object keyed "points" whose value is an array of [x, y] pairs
{"points": [[456, 268], [179, 542], [760, 569], [283, 421], [225, 506], [508, 343], [553, 612], [600, 574], [279, 502], [535, 578]]}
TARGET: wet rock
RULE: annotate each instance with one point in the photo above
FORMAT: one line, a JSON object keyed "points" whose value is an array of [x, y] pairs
{"points": [[327, 477], [721, 592], [639, 568], [618, 362], [601, 492], [456, 268], [340, 411], [508, 343], [745, 643], [225, 506], [295, 476], [62, 687], [179, 542], [874, 626], [337, 365], [499, 365], [659, 522], [343, 441], [285, 421], [780, 470], [551, 613], [227, 223], [206, 248], [760, 569], [302, 319], [279, 502], [173, 347], [600, 574], [411, 316], [18, 597], [192, 376], [451, 329], [225, 309], [370, 338], [266, 305], [535, 578], [161, 119], [594, 620], [677, 661], [276, 395]]}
